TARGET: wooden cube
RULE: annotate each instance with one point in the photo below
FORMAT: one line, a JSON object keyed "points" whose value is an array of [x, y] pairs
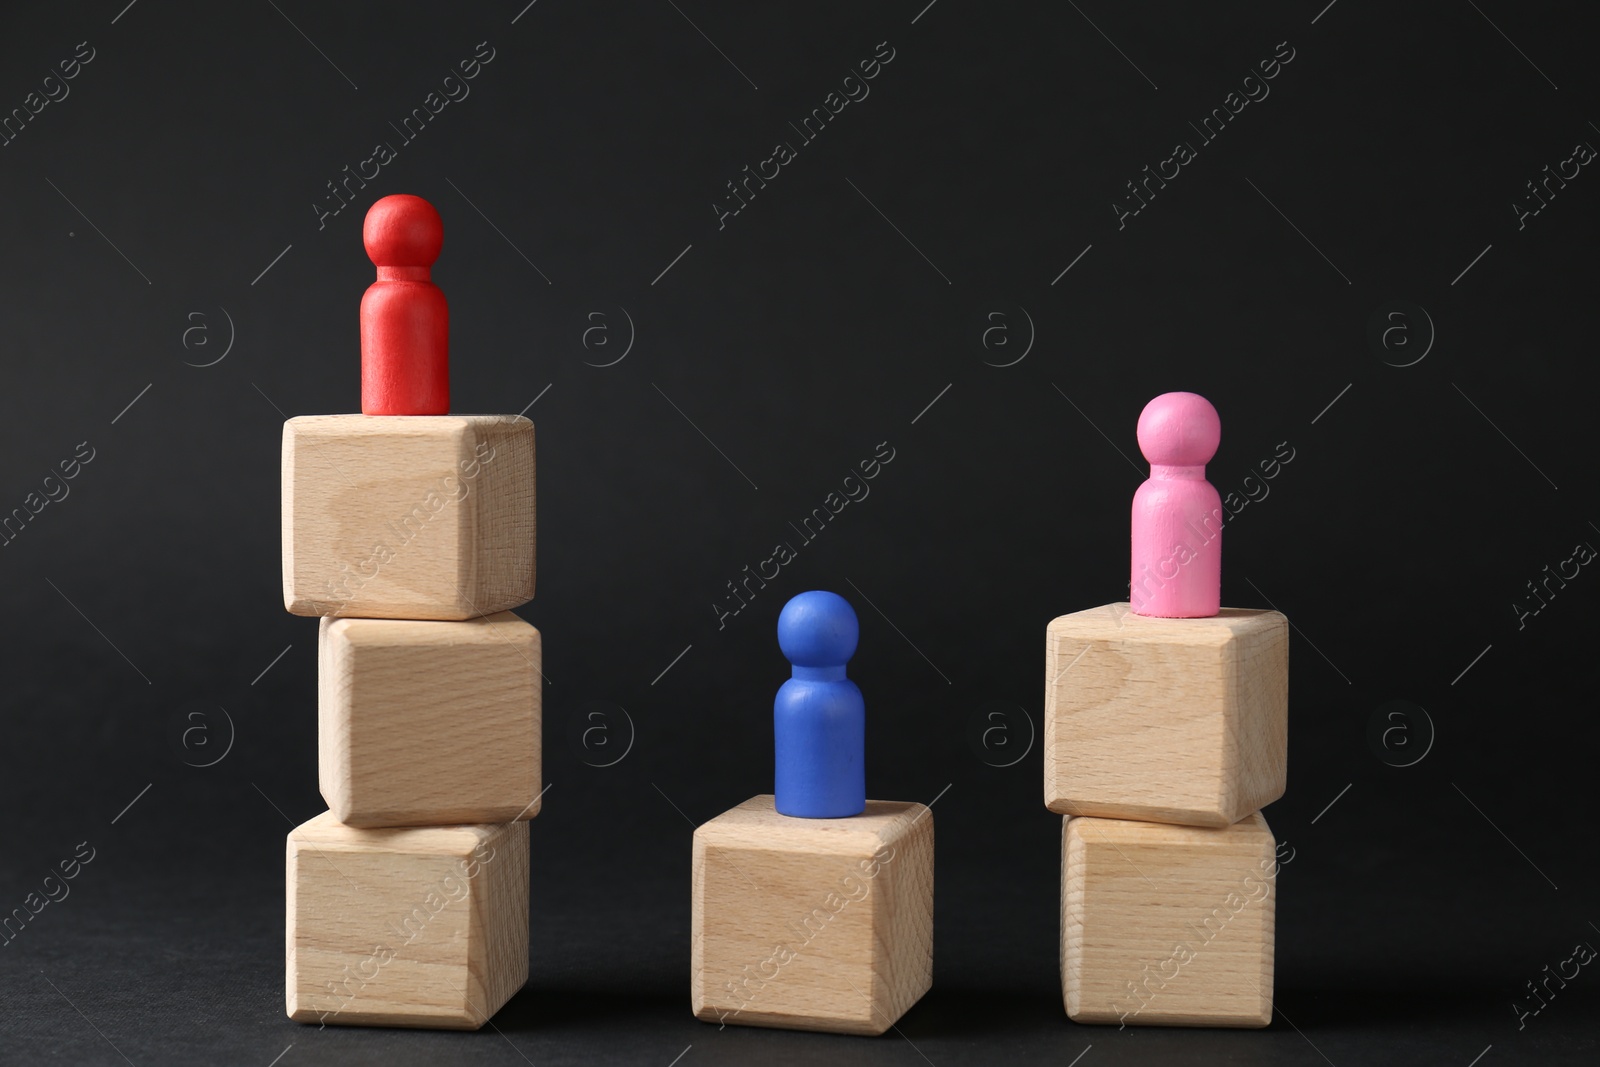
{"points": [[1172, 720], [429, 723], [416, 927], [1167, 925], [812, 924], [407, 516]]}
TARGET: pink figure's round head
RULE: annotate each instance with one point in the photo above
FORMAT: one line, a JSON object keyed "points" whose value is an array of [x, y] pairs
{"points": [[1179, 430], [402, 231]]}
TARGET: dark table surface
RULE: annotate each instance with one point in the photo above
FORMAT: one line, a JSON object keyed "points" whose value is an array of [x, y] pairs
{"points": [[1407, 928]]}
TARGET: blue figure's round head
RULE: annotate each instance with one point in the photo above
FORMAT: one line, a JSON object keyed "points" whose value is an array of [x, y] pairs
{"points": [[818, 629]]}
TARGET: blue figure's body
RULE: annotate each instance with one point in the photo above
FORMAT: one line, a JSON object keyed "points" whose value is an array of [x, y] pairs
{"points": [[819, 719]]}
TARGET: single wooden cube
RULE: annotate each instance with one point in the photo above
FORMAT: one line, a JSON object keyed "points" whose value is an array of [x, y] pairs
{"points": [[407, 516], [1167, 925], [416, 927], [1172, 720], [429, 723], [812, 924]]}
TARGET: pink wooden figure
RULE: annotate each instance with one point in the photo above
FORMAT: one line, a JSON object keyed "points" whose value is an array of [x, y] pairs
{"points": [[1177, 514]]}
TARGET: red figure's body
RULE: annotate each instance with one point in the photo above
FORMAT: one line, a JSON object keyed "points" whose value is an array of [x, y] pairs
{"points": [[405, 322]]}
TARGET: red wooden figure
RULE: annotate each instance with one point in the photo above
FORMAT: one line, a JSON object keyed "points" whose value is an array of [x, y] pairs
{"points": [[405, 321]]}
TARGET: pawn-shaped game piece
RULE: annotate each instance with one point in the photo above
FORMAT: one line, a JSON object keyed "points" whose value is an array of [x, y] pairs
{"points": [[819, 718], [1177, 514], [405, 321]]}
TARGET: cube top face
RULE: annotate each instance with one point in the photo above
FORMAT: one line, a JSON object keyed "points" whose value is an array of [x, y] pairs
{"points": [[757, 824], [1170, 720], [812, 924], [1168, 925], [408, 516], [325, 833], [1229, 624], [429, 723], [422, 927]]}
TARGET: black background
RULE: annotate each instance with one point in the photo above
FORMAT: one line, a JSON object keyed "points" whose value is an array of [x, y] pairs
{"points": [[1382, 167]]}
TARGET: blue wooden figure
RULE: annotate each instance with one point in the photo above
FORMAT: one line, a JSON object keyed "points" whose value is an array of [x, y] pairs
{"points": [[819, 718]]}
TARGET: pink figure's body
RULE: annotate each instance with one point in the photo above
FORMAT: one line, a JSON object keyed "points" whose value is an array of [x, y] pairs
{"points": [[1177, 514]]}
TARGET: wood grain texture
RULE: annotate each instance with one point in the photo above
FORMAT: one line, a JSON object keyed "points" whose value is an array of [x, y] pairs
{"points": [[1167, 925], [1171, 720], [416, 927], [407, 517], [812, 924], [429, 723]]}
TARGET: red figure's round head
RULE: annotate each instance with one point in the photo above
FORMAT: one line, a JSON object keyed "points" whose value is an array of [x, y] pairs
{"points": [[403, 231], [1179, 430]]}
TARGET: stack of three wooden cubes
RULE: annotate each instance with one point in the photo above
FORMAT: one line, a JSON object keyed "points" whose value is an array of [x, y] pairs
{"points": [[412, 537]]}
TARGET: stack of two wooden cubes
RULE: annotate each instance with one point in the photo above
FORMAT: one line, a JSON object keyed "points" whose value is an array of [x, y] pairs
{"points": [[1164, 737], [412, 537]]}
